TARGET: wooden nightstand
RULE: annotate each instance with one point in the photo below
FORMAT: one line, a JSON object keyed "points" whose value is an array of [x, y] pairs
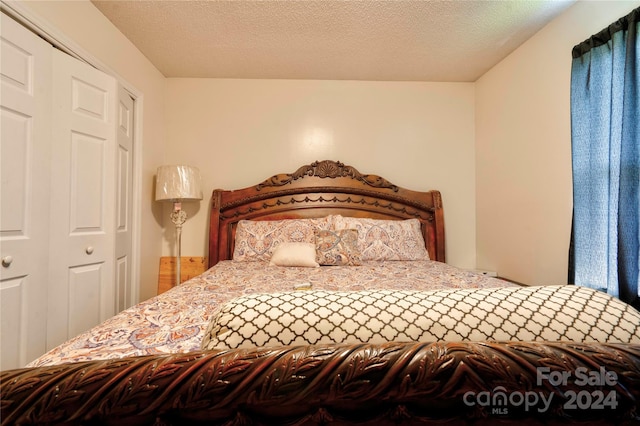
{"points": [[189, 268]]}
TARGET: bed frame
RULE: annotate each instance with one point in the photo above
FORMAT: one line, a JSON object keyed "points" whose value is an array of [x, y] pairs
{"points": [[319, 189], [482, 383]]}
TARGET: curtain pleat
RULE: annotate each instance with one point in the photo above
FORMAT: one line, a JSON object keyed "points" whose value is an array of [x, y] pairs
{"points": [[629, 211]]}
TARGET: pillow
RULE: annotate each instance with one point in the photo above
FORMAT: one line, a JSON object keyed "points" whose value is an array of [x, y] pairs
{"points": [[295, 254], [544, 313], [380, 239], [256, 240], [337, 248]]}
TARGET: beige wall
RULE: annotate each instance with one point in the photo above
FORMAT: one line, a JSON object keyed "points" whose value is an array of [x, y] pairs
{"points": [[239, 132], [523, 148], [504, 141], [88, 28]]}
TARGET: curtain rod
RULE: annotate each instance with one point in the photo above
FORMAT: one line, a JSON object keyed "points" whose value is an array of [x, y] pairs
{"points": [[604, 36]]}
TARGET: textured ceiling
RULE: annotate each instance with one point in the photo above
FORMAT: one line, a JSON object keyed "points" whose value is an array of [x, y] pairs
{"points": [[450, 40]]}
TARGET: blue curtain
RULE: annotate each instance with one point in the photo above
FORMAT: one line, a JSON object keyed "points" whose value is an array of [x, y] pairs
{"points": [[605, 139]]}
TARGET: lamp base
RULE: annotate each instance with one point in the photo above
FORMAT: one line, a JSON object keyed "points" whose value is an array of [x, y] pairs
{"points": [[178, 217]]}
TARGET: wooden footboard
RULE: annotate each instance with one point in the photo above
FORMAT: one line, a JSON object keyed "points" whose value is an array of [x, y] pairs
{"points": [[407, 383]]}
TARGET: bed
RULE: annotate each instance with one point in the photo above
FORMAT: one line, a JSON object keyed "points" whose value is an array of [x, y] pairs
{"points": [[384, 335]]}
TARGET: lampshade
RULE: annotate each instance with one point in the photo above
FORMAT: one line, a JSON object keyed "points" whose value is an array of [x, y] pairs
{"points": [[178, 183]]}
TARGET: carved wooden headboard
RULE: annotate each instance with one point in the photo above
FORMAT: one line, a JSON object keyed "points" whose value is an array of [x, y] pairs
{"points": [[319, 189]]}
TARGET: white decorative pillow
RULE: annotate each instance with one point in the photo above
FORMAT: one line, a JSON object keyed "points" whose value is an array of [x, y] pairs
{"points": [[545, 313], [380, 239], [256, 240], [295, 254]]}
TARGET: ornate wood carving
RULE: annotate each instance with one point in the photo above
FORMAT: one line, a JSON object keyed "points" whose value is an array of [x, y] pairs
{"points": [[330, 188], [341, 384], [292, 200], [437, 200], [310, 190], [327, 169]]}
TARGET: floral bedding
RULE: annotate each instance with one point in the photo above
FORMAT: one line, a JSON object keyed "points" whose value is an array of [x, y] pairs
{"points": [[176, 321]]}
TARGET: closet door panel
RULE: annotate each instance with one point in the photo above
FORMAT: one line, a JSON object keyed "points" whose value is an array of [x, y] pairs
{"points": [[25, 79], [124, 201], [12, 304], [85, 295], [83, 194]]}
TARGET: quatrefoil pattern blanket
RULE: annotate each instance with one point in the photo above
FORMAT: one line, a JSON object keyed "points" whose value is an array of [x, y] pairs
{"points": [[546, 313]]}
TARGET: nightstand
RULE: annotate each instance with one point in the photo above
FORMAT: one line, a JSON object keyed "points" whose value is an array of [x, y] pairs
{"points": [[189, 268]]}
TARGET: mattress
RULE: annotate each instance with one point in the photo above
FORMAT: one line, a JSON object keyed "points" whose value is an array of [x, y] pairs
{"points": [[176, 321]]}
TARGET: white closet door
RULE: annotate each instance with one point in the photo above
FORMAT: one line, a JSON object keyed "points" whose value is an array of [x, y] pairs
{"points": [[82, 285], [24, 192], [124, 173]]}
